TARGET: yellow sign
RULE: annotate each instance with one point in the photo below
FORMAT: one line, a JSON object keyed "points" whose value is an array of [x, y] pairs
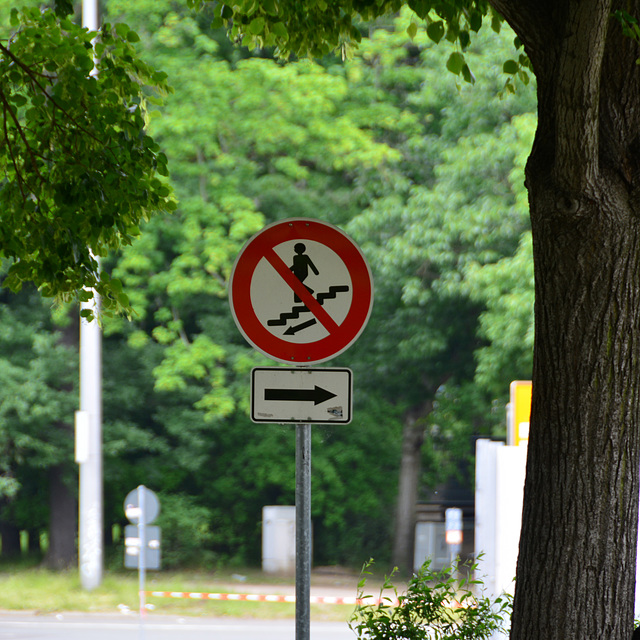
{"points": [[520, 397]]}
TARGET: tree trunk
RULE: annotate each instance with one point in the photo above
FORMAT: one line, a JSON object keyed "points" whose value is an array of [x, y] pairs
{"points": [[576, 568], [403, 542], [581, 497], [408, 488], [34, 541], [63, 503], [62, 522], [10, 539]]}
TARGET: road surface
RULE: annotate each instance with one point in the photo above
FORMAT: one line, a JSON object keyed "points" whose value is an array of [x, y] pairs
{"points": [[100, 627]]}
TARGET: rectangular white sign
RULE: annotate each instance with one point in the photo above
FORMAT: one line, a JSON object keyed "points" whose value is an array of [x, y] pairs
{"points": [[301, 395]]}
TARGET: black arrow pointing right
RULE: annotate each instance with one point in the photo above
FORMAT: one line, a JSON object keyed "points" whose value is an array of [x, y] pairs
{"points": [[317, 395]]}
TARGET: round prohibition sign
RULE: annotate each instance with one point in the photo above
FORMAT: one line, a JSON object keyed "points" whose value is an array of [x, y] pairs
{"points": [[301, 291]]}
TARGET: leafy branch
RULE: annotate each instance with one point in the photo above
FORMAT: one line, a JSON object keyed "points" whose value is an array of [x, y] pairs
{"points": [[435, 605], [78, 172]]}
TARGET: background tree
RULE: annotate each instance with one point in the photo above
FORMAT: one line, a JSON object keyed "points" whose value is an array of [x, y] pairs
{"points": [[449, 208], [321, 158], [581, 179], [506, 289], [231, 173], [378, 144], [38, 372]]}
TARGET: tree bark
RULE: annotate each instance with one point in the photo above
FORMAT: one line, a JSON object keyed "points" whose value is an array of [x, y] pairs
{"points": [[409, 485], [34, 541], [576, 567], [578, 538], [62, 522], [10, 539]]}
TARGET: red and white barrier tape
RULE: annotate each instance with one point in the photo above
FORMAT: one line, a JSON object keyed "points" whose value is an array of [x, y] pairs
{"points": [[258, 597]]}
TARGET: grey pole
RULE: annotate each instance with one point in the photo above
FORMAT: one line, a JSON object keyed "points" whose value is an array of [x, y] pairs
{"points": [[90, 14], [90, 544], [142, 553], [303, 531], [90, 552]]}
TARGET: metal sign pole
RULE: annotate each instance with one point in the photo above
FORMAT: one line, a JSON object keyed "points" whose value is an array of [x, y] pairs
{"points": [[142, 538], [90, 499], [453, 534], [303, 531], [266, 290]]}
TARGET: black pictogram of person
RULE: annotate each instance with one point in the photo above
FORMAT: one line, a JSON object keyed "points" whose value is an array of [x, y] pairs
{"points": [[301, 265]]}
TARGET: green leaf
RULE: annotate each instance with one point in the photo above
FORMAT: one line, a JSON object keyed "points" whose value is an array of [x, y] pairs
{"points": [[123, 300], [270, 7], [456, 62], [496, 23], [420, 7], [475, 21], [435, 31], [17, 99], [256, 26], [122, 29], [511, 67], [280, 30], [467, 75], [412, 30]]}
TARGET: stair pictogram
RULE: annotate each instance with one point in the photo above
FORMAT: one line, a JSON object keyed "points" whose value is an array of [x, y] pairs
{"points": [[332, 293], [282, 320], [297, 310]]}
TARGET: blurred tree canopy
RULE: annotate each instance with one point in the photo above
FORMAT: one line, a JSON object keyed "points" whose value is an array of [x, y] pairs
{"points": [[420, 171]]}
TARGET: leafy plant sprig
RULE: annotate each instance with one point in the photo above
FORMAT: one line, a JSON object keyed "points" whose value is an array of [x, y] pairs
{"points": [[78, 172], [435, 606]]}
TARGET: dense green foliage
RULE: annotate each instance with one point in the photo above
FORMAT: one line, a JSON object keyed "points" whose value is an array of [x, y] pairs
{"points": [[435, 605], [38, 376], [371, 144], [461, 165], [78, 173], [337, 25]]}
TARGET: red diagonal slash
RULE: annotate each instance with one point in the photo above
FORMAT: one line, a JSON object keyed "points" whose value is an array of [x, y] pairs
{"points": [[301, 291]]}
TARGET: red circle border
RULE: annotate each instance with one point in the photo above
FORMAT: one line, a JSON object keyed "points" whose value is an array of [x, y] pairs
{"points": [[242, 307]]}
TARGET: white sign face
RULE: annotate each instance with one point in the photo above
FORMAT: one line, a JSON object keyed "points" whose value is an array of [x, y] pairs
{"points": [[132, 506], [453, 519], [151, 558], [313, 396], [276, 305], [301, 291]]}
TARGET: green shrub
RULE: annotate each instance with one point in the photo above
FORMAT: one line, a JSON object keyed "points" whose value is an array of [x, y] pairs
{"points": [[436, 606], [186, 534]]}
